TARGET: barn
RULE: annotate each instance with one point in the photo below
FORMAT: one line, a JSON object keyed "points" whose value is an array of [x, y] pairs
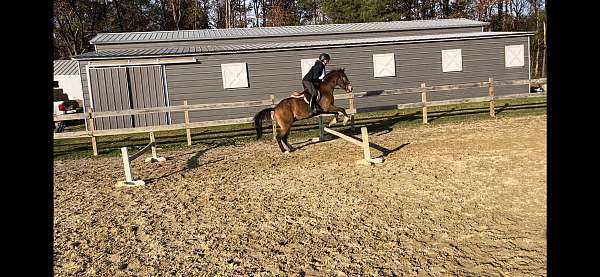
{"points": [[66, 74], [151, 69]]}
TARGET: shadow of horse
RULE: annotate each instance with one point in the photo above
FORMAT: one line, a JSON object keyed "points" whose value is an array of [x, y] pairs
{"points": [[385, 151], [191, 163]]}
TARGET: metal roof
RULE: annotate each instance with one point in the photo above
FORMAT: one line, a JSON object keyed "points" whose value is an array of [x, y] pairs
{"points": [[66, 67], [204, 34], [233, 48]]}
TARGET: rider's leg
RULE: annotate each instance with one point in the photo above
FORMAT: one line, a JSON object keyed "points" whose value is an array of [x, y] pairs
{"points": [[313, 96], [317, 107]]}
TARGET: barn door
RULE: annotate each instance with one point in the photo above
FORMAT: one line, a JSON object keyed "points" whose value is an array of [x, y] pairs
{"points": [[124, 88], [110, 92], [147, 89]]}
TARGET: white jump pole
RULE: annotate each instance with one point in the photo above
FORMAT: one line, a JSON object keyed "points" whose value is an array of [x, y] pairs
{"points": [[129, 182], [154, 157]]}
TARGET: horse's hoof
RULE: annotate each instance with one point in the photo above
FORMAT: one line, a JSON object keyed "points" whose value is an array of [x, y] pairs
{"points": [[334, 121], [286, 152]]}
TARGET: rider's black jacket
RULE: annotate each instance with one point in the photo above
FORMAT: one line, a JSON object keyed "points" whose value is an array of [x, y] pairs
{"points": [[315, 72]]}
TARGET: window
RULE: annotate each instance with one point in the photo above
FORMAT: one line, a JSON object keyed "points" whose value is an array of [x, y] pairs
{"points": [[514, 55], [306, 64], [234, 75], [451, 60], [384, 65]]}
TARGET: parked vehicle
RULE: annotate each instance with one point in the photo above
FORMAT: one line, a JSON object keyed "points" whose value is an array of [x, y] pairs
{"points": [[59, 108]]}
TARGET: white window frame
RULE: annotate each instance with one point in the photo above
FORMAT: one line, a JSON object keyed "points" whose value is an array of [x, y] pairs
{"points": [[382, 66], [305, 65], [238, 81], [452, 60], [514, 55]]}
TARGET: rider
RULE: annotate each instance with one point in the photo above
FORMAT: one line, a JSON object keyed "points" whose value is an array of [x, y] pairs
{"points": [[312, 79]]}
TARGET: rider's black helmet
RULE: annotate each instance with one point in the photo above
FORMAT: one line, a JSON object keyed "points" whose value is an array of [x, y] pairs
{"points": [[324, 56]]}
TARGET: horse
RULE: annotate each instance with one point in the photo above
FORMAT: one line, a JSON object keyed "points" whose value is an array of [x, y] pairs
{"points": [[294, 108]]}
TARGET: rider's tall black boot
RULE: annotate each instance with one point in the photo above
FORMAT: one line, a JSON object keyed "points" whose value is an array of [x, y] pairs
{"points": [[314, 109]]}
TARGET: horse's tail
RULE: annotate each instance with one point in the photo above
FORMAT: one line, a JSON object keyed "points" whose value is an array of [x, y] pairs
{"points": [[259, 118]]}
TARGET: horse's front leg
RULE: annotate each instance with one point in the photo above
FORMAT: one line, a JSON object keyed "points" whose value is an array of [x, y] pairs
{"points": [[336, 110]]}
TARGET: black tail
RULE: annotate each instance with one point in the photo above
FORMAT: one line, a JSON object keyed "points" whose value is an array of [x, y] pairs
{"points": [[258, 119]]}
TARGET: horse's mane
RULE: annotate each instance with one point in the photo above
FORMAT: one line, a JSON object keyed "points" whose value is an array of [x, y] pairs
{"points": [[332, 73]]}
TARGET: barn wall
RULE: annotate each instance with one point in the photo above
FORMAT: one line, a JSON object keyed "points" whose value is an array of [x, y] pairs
{"points": [[415, 63], [84, 84], [286, 38], [71, 85]]}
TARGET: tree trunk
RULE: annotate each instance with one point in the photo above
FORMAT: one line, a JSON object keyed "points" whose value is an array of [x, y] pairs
{"points": [[446, 8], [164, 15], [176, 13], [537, 60], [544, 60], [264, 12], [245, 10], [119, 16]]}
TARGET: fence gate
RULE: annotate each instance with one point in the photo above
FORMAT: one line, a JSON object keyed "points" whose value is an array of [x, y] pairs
{"points": [[123, 88]]}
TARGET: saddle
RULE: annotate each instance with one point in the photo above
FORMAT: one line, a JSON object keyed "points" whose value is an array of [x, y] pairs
{"points": [[304, 94]]}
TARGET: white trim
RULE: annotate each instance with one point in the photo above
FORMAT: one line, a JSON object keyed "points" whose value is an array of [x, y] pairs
{"points": [[230, 75], [140, 62], [87, 69], [514, 55], [81, 82], [452, 60], [379, 67], [165, 87], [304, 65], [529, 63]]}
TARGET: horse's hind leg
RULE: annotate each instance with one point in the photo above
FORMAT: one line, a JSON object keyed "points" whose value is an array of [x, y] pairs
{"points": [[279, 137], [285, 140], [285, 124]]}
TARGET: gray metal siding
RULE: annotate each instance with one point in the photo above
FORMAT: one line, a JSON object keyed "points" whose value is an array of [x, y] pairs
{"points": [[197, 43], [147, 90], [111, 88], [110, 93], [415, 63]]}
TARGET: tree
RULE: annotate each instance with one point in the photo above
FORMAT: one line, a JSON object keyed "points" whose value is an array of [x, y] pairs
{"points": [[283, 13]]}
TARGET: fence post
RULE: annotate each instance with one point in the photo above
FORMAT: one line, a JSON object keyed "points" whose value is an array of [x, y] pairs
{"points": [[321, 133], [424, 102], [273, 122], [187, 124], [92, 128], [352, 107], [491, 91]]}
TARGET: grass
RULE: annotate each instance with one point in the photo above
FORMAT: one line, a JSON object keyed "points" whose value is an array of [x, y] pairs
{"points": [[377, 121]]}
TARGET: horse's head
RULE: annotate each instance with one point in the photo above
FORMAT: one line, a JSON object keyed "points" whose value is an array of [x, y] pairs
{"points": [[341, 79]]}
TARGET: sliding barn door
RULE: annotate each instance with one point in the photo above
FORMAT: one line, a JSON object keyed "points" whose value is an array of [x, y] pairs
{"points": [[148, 90], [124, 88], [110, 92]]}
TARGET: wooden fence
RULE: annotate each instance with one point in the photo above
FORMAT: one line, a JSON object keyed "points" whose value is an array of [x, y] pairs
{"points": [[424, 90]]}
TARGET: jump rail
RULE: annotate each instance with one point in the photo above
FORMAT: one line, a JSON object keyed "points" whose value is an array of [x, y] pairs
{"points": [[129, 182], [364, 144]]}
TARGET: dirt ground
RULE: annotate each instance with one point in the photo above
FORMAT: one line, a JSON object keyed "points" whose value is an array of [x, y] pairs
{"points": [[458, 199]]}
